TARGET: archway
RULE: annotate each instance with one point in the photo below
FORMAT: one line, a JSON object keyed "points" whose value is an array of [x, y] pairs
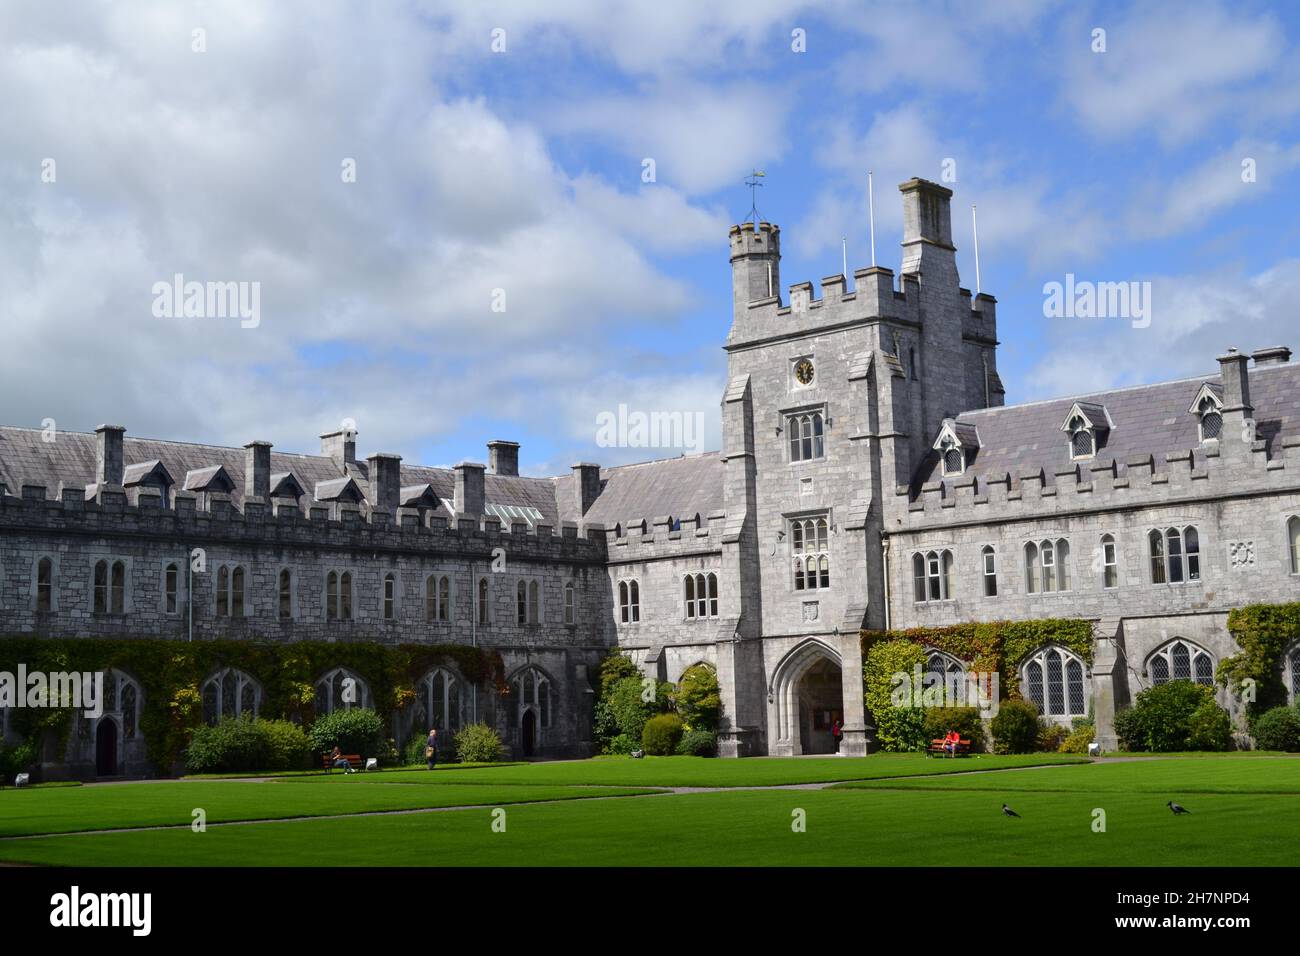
{"points": [[106, 748], [528, 732], [806, 697]]}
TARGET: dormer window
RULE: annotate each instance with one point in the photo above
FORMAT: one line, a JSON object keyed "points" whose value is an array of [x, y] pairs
{"points": [[954, 459], [1087, 424], [956, 444], [1208, 408]]}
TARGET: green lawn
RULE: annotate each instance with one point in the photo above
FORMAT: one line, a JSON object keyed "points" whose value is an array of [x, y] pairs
{"points": [[1245, 811], [698, 772]]}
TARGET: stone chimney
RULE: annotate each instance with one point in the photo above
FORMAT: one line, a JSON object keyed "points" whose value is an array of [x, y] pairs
{"points": [[1273, 355], [341, 446], [108, 455], [469, 489], [503, 457], [385, 481], [257, 469], [1236, 388], [586, 486], [927, 230]]}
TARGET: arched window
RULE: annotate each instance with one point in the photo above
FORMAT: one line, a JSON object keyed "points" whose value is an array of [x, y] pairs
{"points": [[237, 592], [989, 559], [285, 589], [171, 585], [954, 459], [1109, 562], [345, 596], [570, 603], [223, 591], [118, 593], [122, 699], [101, 587], [1211, 419], [1054, 680], [1175, 555], [1293, 542], [701, 595], [946, 666], [332, 596], [484, 606], [1047, 566], [534, 602], [437, 599], [390, 596], [624, 603], [521, 602], [931, 575], [1293, 662], [1031, 568], [810, 553], [634, 599], [918, 577], [1082, 441], [1181, 660], [230, 693], [341, 689], [807, 440], [44, 585], [438, 702], [530, 688]]}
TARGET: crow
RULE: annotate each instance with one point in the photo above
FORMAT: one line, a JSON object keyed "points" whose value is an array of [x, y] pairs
{"points": [[1009, 812], [1177, 808]]}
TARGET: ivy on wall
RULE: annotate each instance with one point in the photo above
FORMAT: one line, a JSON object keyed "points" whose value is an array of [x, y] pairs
{"points": [[1263, 632], [171, 674], [991, 646]]}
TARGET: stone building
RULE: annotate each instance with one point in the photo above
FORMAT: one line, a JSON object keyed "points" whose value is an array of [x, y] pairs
{"points": [[870, 477]]}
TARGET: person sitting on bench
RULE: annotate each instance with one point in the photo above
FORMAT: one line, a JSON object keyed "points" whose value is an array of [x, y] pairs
{"points": [[339, 760], [950, 742]]}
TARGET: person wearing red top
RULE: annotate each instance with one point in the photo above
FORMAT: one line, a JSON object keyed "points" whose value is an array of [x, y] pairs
{"points": [[950, 742]]}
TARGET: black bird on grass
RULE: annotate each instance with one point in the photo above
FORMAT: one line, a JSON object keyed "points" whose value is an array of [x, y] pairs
{"points": [[1009, 812], [1177, 808]]}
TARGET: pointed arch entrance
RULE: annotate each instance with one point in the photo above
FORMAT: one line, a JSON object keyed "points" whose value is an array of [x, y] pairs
{"points": [[807, 698], [106, 762]]}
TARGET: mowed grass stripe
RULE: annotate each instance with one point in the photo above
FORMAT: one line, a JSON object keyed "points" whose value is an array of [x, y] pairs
{"points": [[700, 772], [77, 809], [741, 828], [1263, 775]]}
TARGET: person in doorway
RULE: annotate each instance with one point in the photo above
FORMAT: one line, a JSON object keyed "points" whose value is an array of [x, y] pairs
{"points": [[338, 760], [836, 733], [431, 748]]}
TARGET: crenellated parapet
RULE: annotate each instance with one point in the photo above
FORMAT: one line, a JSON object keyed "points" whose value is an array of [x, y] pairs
{"points": [[115, 512], [627, 541]]}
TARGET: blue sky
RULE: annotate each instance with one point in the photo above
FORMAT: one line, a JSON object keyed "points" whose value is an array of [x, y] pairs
{"points": [[522, 171]]}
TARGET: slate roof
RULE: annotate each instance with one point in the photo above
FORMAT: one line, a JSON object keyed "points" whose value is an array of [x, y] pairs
{"points": [[680, 487], [1148, 420]]}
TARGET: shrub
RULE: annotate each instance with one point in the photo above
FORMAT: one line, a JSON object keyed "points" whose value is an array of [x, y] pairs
{"points": [[477, 743], [1051, 736], [357, 730], [965, 720], [1015, 727], [897, 727], [698, 743], [1278, 729], [1178, 715], [698, 699], [288, 746], [661, 734], [627, 708], [1077, 741], [17, 759], [622, 744], [234, 743], [413, 751]]}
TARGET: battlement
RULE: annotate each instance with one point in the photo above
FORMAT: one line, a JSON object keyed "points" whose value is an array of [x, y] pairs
{"points": [[627, 541], [1193, 475], [211, 517]]}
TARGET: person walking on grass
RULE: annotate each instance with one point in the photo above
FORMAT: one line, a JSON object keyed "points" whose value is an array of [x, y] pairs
{"points": [[431, 748]]}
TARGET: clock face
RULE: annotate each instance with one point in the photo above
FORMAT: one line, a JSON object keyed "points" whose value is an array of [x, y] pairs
{"points": [[803, 372]]}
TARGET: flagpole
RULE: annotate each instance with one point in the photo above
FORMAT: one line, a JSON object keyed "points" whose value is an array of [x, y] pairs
{"points": [[871, 205], [976, 230]]}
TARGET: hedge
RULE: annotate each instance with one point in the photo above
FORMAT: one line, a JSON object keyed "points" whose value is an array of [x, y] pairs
{"points": [[1263, 632], [171, 673]]}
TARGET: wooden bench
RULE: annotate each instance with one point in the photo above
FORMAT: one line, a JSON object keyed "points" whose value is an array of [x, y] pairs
{"points": [[939, 747], [353, 759]]}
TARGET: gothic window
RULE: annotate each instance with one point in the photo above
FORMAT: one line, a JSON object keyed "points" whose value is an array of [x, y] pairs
{"points": [[1293, 662], [1181, 660], [230, 693], [629, 602], [438, 703], [1109, 562], [332, 596], [570, 603], [44, 584], [810, 553], [1083, 443], [484, 606], [534, 602], [437, 599], [122, 697], [521, 602], [285, 589], [931, 574], [1054, 680], [341, 689], [345, 596], [990, 561], [1293, 543], [1047, 566], [390, 596], [237, 592], [531, 689], [117, 594], [171, 584], [806, 436], [110, 587], [1175, 555], [1211, 425], [954, 459], [701, 595], [943, 665], [223, 591], [101, 587]]}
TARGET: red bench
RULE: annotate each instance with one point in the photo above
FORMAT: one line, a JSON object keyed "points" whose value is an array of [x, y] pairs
{"points": [[940, 747], [353, 759]]}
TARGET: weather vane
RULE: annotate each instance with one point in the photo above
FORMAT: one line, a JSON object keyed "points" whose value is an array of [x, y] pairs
{"points": [[752, 181]]}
